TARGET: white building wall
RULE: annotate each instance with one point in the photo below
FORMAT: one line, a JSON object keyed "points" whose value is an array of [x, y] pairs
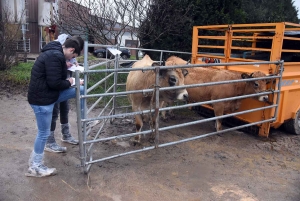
{"points": [[127, 36], [46, 10], [15, 9]]}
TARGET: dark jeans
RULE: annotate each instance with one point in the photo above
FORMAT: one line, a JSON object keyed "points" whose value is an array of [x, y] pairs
{"points": [[63, 109]]}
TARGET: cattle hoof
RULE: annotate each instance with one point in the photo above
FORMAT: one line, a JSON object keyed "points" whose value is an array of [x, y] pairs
{"points": [[134, 142], [172, 117], [151, 139], [165, 119]]}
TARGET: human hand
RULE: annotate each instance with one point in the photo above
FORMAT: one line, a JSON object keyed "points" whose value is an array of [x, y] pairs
{"points": [[81, 81], [72, 81], [69, 64]]}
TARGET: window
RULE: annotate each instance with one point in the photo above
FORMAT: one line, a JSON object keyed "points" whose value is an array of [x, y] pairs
{"points": [[131, 43]]}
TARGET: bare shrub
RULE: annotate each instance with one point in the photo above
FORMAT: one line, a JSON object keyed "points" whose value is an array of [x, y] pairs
{"points": [[10, 33]]}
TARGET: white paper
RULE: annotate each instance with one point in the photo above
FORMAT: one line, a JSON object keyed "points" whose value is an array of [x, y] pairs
{"points": [[74, 81], [114, 51], [74, 68]]}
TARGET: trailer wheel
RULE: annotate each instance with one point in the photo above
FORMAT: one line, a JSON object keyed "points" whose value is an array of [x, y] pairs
{"points": [[293, 125]]}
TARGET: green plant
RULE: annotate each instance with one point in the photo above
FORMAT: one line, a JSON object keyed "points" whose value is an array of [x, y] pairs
{"points": [[93, 78], [80, 59], [19, 74]]}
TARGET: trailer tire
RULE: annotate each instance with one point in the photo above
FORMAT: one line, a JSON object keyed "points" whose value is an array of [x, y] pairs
{"points": [[293, 125]]}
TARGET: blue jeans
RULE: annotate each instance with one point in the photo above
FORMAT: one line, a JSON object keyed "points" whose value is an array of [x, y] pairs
{"points": [[43, 115]]}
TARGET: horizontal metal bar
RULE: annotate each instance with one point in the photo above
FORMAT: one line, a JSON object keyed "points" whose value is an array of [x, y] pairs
{"points": [[179, 125], [183, 66], [285, 50], [237, 25], [99, 99], [99, 82], [217, 132], [183, 106], [100, 64], [211, 46], [178, 142], [118, 137], [217, 100], [218, 83], [218, 117], [144, 91], [251, 48]]}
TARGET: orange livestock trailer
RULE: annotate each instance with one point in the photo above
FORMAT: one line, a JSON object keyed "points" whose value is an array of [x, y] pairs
{"points": [[251, 43]]}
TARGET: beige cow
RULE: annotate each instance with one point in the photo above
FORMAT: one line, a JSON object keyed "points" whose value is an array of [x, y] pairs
{"points": [[205, 75], [138, 80]]}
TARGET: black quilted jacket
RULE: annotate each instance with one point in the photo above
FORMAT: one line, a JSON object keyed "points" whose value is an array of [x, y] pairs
{"points": [[48, 75]]}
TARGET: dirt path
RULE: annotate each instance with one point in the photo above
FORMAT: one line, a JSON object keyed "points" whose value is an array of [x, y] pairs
{"points": [[231, 167]]}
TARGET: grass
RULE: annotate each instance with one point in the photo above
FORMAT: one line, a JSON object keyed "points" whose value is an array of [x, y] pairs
{"points": [[96, 77], [19, 74], [80, 59]]}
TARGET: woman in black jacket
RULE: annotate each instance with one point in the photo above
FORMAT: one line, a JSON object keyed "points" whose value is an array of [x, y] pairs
{"points": [[49, 85]]}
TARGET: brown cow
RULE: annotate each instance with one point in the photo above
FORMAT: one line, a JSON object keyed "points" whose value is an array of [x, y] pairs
{"points": [[204, 75], [138, 80]]}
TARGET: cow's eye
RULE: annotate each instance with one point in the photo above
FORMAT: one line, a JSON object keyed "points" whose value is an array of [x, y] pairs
{"points": [[172, 80], [255, 84]]}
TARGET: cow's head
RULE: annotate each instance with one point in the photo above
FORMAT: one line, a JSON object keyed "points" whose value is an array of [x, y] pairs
{"points": [[173, 61], [173, 77], [256, 86]]}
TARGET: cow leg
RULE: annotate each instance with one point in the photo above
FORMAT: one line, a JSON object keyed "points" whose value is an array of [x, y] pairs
{"points": [[172, 115], [163, 113], [138, 126], [219, 111], [152, 126]]}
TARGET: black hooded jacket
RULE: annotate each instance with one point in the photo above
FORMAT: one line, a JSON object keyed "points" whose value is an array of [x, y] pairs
{"points": [[48, 75]]}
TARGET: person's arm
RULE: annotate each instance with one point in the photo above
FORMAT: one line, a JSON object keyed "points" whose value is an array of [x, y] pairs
{"points": [[74, 61], [69, 64], [54, 72]]}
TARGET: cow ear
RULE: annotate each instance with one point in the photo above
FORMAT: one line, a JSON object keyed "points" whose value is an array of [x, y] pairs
{"points": [[245, 75], [184, 72]]}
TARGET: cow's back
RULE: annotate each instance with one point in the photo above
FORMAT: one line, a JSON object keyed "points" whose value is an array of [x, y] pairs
{"points": [[205, 75], [138, 80]]}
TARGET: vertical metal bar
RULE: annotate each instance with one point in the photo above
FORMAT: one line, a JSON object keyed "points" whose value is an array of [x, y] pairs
{"points": [[117, 57], [78, 109], [156, 106], [279, 88], [81, 112], [160, 58], [195, 42]]}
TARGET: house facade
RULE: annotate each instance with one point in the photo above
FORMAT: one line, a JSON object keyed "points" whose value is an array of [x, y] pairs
{"points": [[37, 22]]}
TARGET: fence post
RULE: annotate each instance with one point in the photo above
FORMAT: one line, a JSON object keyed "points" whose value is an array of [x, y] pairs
{"points": [[117, 57], [156, 114]]}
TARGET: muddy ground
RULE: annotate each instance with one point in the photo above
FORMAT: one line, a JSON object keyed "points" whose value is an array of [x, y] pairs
{"points": [[233, 166]]}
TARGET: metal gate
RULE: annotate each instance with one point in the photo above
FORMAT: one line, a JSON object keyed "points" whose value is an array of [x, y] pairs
{"points": [[112, 108]]}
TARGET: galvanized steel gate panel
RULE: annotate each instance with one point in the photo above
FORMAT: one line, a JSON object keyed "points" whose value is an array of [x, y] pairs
{"points": [[108, 110]]}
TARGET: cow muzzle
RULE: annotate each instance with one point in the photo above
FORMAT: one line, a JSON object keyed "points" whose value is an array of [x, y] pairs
{"points": [[263, 98], [183, 95]]}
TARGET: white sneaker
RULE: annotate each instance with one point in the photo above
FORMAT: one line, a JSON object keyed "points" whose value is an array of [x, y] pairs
{"points": [[40, 171], [54, 147]]}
